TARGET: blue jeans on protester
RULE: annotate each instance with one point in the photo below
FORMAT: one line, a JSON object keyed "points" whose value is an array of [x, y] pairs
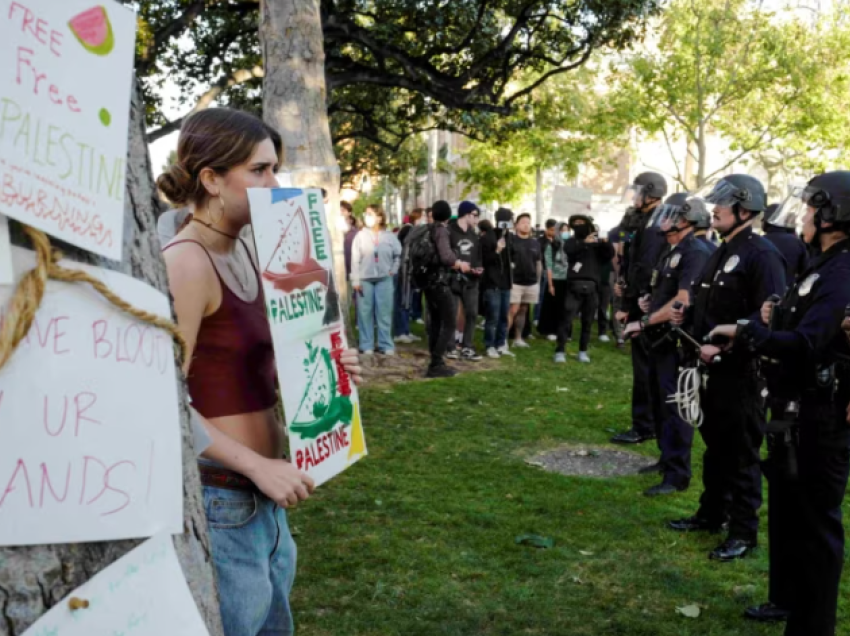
{"points": [[497, 302], [376, 306], [416, 304], [401, 315], [254, 557]]}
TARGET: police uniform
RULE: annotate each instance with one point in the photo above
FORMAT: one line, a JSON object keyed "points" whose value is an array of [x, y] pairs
{"points": [[709, 245], [743, 272], [676, 272], [808, 466]]}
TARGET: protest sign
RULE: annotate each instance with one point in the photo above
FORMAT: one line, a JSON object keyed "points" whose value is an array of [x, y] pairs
{"points": [[320, 401], [89, 418], [143, 593], [5, 252], [65, 82], [567, 201]]}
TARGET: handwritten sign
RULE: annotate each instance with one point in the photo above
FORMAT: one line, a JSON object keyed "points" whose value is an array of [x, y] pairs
{"points": [[144, 593], [65, 82], [6, 275], [567, 201], [319, 399], [91, 445]]}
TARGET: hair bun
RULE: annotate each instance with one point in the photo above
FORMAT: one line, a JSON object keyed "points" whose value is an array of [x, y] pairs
{"points": [[176, 184]]}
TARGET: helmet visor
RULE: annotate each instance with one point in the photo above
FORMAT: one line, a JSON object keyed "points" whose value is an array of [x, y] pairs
{"points": [[725, 194], [791, 212], [666, 216], [634, 195]]}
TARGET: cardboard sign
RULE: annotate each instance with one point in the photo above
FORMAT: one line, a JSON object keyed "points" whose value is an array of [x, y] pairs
{"points": [[89, 420], [296, 264], [144, 593], [567, 201], [6, 275], [66, 69]]}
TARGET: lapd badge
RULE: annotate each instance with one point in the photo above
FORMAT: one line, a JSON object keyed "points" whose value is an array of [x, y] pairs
{"points": [[731, 264], [806, 285], [674, 262]]}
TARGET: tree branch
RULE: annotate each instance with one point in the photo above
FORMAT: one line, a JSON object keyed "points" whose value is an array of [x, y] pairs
{"points": [[145, 60], [673, 156]]}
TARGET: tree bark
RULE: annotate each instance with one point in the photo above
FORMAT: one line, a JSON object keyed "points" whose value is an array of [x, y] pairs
{"points": [[33, 579], [538, 195], [295, 104]]}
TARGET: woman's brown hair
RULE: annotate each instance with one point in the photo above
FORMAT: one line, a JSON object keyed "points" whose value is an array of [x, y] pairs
{"points": [[378, 211], [218, 139]]}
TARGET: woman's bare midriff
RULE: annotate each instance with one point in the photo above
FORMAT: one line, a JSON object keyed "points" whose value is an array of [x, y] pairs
{"points": [[261, 431]]}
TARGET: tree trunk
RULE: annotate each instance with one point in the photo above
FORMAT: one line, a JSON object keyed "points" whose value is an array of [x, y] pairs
{"points": [[33, 579], [702, 155], [431, 188], [295, 104], [538, 199]]}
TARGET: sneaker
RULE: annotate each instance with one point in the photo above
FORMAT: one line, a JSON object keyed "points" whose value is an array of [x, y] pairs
{"points": [[454, 354], [604, 338], [531, 336], [403, 339], [419, 321], [411, 338], [440, 371], [621, 344], [560, 358], [470, 355], [504, 351], [368, 352], [521, 344], [552, 337], [389, 353], [583, 357], [492, 352]]}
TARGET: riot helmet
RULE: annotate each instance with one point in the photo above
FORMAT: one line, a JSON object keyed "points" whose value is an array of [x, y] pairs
{"points": [[738, 190], [645, 187], [828, 194], [698, 214], [666, 215]]}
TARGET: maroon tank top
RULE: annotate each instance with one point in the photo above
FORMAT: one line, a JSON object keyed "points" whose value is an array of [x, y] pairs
{"points": [[233, 366]]}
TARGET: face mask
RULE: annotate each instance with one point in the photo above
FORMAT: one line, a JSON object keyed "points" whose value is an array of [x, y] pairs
{"points": [[370, 221], [581, 231], [565, 235]]}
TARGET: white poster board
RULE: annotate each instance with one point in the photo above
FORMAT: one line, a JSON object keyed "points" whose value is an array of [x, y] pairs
{"points": [[144, 593], [6, 274], [66, 68], [319, 398], [567, 201], [91, 445]]}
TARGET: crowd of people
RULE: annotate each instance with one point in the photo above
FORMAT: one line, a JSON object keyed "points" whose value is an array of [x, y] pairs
{"points": [[719, 334]]}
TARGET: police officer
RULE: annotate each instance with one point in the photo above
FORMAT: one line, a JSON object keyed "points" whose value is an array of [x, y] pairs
{"points": [[671, 283], [743, 272], [645, 247], [781, 231], [809, 465], [703, 224]]}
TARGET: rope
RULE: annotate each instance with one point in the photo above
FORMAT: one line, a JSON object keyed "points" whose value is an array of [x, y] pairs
{"points": [[686, 397], [30, 292]]}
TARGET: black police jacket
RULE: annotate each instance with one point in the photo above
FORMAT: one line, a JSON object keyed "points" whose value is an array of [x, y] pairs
{"points": [[809, 348], [792, 248], [736, 281], [677, 271], [647, 246]]}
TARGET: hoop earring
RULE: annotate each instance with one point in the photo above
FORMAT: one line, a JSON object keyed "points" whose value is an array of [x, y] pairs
{"points": [[221, 208]]}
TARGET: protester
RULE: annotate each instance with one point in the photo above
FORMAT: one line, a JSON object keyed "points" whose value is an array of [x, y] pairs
{"points": [[375, 260], [604, 295], [549, 235], [230, 369], [527, 267], [586, 255], [555, 265], [497, 283], [466, 244], [402, 315]]}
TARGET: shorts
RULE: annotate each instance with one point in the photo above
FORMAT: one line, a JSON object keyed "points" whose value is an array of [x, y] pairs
{"points": [[525, 294]]}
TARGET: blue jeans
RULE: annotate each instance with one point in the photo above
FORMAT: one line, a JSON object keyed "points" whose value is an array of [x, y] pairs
{"points": [[497, 302], [255, 558], [544, 285], [376, 306], [416, 304], [401, 315]]}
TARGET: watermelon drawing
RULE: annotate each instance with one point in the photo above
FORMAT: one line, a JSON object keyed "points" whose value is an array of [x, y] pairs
{"points": [[93, 30], [291, 266], [321, 408]]}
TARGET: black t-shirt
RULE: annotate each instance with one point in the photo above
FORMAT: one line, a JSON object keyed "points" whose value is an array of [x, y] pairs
{"points": [[466, 244], [526, 255]]}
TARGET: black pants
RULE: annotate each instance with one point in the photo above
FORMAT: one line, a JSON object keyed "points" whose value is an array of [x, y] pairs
{"points": [[442, 318], [468, 297], [605, 295], [805, 532], [733, 430], [644, 417], [581, 297], [675, 435]]}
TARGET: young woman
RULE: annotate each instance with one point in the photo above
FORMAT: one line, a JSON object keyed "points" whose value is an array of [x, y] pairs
{"points": [[555, 277], [375, 259], [230, 368]]}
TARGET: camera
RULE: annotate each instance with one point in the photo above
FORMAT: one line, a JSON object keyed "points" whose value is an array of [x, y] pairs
{"points": [[504, 225]]}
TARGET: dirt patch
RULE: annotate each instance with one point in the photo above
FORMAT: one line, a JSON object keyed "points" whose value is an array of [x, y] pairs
{"points": [[410, 363], [589, 461]]}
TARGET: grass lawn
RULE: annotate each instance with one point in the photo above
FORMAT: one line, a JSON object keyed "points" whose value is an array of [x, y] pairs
{"points": [[419, 538]]}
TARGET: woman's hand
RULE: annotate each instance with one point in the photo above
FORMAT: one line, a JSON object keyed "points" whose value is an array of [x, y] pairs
{"points": [[643, 303], [551, 289], [281, 482], [358, 289], [350, 360]]}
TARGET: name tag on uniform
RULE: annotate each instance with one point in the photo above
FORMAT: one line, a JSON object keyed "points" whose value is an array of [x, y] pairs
{"points": [[806, 285], [674, 262], [732, 263]]}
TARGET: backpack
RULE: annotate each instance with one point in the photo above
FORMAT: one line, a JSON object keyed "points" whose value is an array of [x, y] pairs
{"points": [[419, 261]]}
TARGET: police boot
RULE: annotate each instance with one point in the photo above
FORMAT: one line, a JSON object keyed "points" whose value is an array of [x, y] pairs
{"points": [[696, 524], [665, 488], [631, 437], [766, 613], [732, 549]]}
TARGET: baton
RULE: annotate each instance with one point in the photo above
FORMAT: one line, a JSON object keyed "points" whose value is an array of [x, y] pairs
{"points": [[685, 335]]}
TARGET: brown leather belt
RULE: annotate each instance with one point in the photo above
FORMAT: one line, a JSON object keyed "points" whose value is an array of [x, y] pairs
{"points": [[223, 478]]}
